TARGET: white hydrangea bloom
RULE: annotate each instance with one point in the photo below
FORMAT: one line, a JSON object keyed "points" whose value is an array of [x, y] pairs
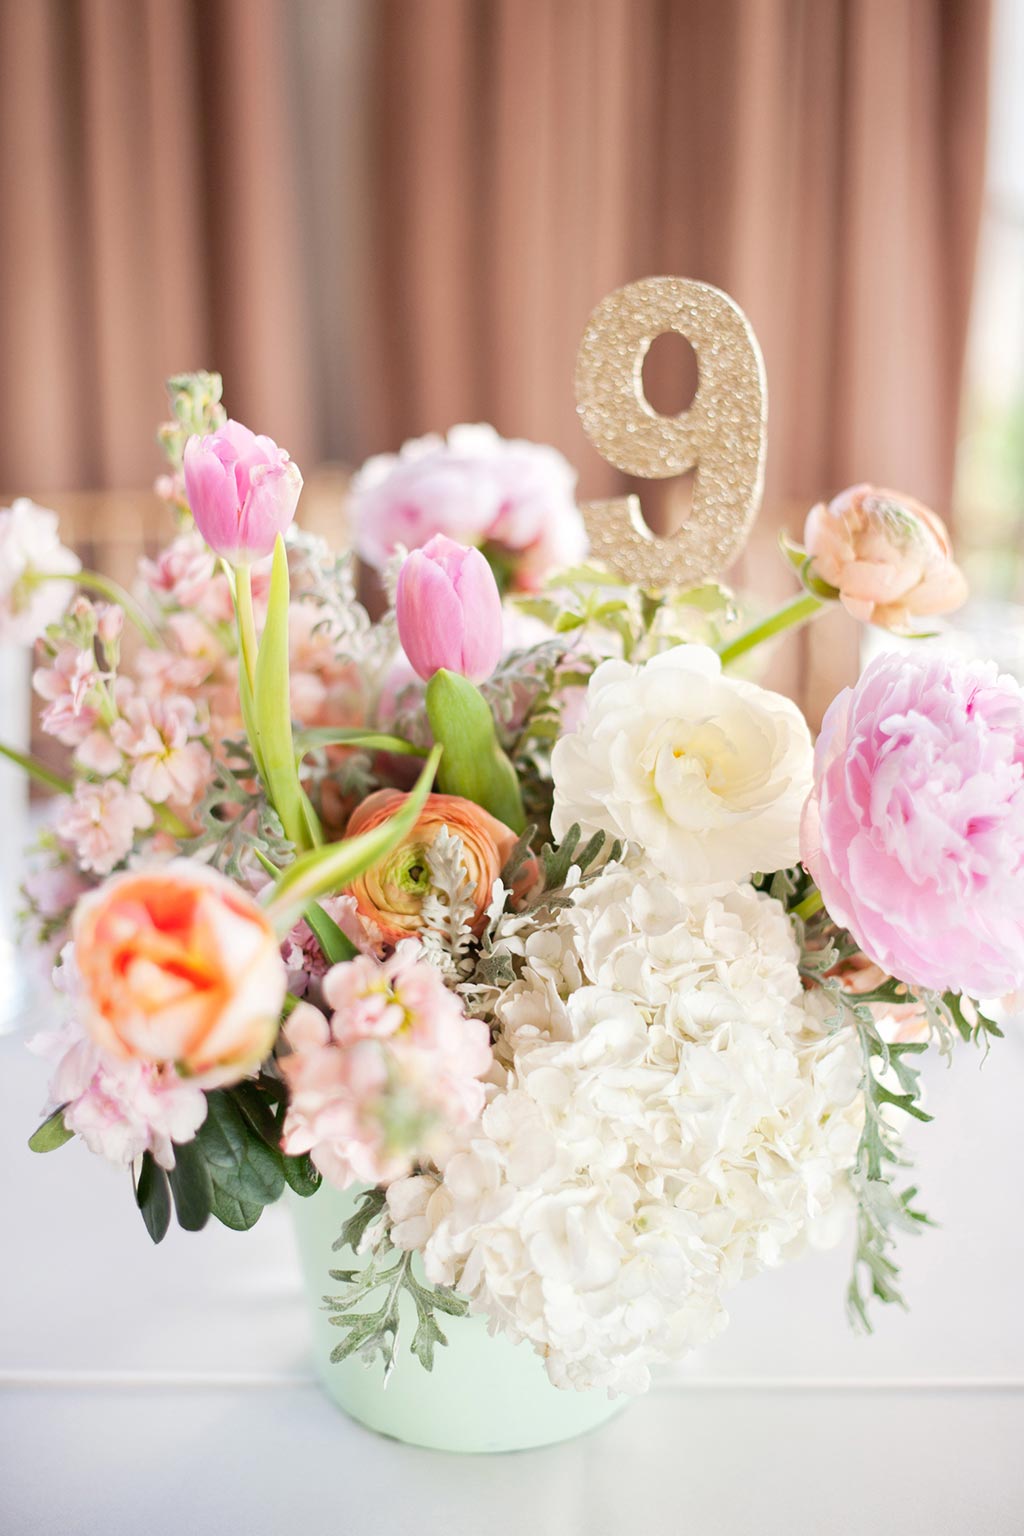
{"points": [[707, 773], [673, 1119]]}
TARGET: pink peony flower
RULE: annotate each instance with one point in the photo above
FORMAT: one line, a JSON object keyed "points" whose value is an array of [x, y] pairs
{"points": [[378, 1085], [449, 611], [914, 832], [157, 738], [889, 557], [30, 551], [479, 489], [242, 491], [100, 821]]}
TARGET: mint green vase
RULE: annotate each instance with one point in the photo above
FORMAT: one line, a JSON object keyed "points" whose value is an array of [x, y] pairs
{"points": [[483, 1394]]}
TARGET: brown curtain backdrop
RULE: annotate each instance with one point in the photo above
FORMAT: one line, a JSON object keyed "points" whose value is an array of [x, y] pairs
{"points": [[379, 217], [148, 224], [821, 161]]}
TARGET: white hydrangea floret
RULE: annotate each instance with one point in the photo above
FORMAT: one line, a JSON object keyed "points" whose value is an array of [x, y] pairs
{"points": [[672, 1120], [707, 773]]}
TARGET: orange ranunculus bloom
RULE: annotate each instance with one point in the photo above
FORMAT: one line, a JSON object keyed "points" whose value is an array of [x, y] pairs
{"points": [[179, 965], [390, 895]]}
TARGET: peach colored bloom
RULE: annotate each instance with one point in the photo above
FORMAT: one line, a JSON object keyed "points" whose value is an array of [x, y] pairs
{"points": [[391, 893], [178, 965], [889, 557]]}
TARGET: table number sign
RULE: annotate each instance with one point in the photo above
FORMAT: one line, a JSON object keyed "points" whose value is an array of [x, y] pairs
{"points": [[721, 434]]}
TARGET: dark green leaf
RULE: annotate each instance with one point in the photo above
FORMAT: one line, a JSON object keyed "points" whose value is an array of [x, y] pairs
{"points": [[245, 1172], [53, 1133], [248, 1097], [153, 1198], [301, 1176], [191, 1187]]}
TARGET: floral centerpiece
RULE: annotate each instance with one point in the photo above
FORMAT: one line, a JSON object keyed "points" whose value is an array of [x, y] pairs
{"points": [[521, 913]]}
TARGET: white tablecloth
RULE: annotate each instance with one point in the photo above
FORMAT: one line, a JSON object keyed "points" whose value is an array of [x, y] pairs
{"points": [[165, 1390]]}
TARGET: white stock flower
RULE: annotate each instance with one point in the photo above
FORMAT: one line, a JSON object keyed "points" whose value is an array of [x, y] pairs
{"points": [[670, 1124], [30, 551], [706, 773]]}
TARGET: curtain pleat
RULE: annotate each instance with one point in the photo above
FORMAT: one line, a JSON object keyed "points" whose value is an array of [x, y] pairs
{"points": [[380, 217]]}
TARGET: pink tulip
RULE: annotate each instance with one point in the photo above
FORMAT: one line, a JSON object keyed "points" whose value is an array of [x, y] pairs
{"points": [[242, 491], [449, 611]]}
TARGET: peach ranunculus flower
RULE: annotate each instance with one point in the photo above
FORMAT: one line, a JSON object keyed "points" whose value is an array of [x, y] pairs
{"points": [[390, 895], [890, 558], [179, 965]]}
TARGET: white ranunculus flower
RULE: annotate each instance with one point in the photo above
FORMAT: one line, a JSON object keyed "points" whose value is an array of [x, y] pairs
{"points": [[30, 550], [674, 1116], [707, 774]]}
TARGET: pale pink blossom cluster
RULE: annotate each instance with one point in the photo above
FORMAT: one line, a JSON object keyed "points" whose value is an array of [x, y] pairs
{"points": [[515, 499], [120, 1108], [388, 1076]]}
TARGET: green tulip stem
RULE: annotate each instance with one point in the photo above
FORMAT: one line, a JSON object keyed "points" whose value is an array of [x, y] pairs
{"points": [[35, 769]]}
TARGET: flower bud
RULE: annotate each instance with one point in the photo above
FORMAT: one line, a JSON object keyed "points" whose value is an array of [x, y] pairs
{"points": [[242, 491], [889, 557], [449, 611]]}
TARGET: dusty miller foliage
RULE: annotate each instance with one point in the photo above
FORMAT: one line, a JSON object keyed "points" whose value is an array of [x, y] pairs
{"points": [[238, 828], [891, 1086], [448, 908], [368, 1310]]}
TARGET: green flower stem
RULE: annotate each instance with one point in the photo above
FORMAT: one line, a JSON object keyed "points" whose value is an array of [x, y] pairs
{"points": [[36, 770], [811, 903], [246, 621], [271, 707], [798, 611], [112, 590]]}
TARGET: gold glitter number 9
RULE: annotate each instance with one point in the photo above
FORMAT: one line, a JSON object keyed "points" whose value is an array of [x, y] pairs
{"points": [[721, 434]]}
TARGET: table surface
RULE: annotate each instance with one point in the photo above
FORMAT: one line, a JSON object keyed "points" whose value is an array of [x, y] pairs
{"points": [[170, 1390]]}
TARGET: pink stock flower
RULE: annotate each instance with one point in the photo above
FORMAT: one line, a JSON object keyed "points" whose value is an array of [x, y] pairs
{"points": [[301, 949], [449, 611], [185, 576], [157, 737], [69, 683], [100, 821], [121, 1109], [242, 491], [478, 488], [914, 832], [889, 557], [30, 551], [379, 1084]]}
